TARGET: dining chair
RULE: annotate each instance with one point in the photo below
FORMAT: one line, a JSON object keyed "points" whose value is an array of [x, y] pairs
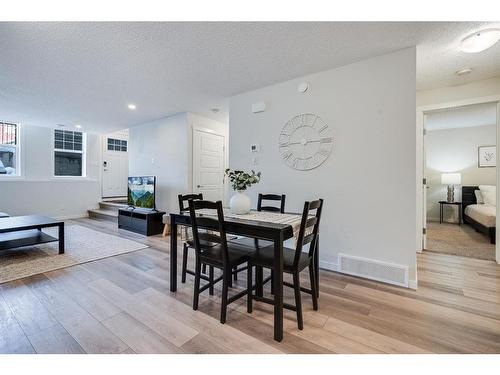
{"points": [[188, 243], [294, 261], [254, 242], [271, 197], [219, 253]]}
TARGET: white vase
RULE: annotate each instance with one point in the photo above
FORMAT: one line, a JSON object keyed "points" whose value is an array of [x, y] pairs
{"points": [[240, 203]]}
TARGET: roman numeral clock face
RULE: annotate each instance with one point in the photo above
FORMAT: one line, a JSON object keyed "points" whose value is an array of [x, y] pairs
{"points": [[305, 142]]}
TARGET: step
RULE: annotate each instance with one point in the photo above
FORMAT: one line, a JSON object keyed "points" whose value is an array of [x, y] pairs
{"points": [[111, 205], [122, 200], [103, 214]]}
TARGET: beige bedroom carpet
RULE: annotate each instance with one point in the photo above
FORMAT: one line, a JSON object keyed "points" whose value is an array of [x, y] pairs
{"points": [[82, 245], [462, 240]]}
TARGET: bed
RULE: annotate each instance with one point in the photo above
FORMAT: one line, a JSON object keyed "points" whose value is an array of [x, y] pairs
{"points": [[481, 217]]}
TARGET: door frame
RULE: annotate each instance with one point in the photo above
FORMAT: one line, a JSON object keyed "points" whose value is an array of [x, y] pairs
{"points": [[225, 155], [104, 146], [421, 111]]}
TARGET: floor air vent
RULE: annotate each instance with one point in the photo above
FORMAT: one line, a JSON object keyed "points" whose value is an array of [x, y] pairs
{"points": [[373, 269]]}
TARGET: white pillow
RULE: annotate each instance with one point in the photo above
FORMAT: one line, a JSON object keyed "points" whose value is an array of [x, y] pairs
{"points": [[479, 197], [489, 194]]}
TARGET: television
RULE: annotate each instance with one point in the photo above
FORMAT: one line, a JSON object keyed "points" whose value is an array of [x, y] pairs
{"points": [[141, 192]]}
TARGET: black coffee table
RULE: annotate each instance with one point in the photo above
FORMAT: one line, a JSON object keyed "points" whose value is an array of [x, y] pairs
{"points": [[21, 231]]}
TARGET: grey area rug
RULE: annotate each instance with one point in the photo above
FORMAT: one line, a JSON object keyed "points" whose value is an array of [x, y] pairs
{"points": [[462, 240], [82, 245]]}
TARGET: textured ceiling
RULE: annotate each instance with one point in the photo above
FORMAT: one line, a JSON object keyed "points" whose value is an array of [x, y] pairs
{"points": [[463, 117], [87, 73]]}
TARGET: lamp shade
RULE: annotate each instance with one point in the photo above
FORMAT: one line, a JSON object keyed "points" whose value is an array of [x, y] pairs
{"points": [[451, 178]]}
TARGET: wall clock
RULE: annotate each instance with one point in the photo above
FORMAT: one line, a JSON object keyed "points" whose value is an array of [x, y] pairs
{"points": [[305, 142]]}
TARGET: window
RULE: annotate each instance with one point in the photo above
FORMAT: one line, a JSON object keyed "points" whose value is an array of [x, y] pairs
{"points": [[9, 149], [117, 145], [69, 153]]}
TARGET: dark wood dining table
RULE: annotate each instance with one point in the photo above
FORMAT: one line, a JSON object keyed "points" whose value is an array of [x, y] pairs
{"points": [[274, 232]]}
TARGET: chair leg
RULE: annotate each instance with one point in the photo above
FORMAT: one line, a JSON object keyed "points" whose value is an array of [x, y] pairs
{"points": [[298, 301], [184, 262], [197, 275], [226, 278], [211, 280], [312, 278], [204, 269], [249, 289], [230, 278], [235, 274], [166, 230]]}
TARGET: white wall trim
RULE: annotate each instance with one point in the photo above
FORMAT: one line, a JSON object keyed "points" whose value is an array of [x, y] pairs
{"points": [[412, 284], [497, 246]]}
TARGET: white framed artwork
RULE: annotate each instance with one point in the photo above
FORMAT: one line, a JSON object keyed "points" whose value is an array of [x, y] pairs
{"points": [[487, 156]]}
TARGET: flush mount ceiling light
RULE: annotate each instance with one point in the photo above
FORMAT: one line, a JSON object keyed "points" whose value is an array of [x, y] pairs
{"points": [[78, 126], [215, 110], [479, 41], [132, 107], [463, 72]]}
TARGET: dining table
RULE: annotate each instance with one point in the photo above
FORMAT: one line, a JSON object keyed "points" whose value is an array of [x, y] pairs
{"points": [[273, 227]]}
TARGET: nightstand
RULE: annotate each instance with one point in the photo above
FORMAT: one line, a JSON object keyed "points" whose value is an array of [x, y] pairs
{"points": [[441, 206]]}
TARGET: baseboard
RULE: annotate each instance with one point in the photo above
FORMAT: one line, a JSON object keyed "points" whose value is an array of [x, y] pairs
{"points": [[330, 266], [412, 284]]}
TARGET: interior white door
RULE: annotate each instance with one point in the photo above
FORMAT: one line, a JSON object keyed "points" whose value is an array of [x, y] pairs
{"points": [[115, 167], [424, 195], [208, 165]]}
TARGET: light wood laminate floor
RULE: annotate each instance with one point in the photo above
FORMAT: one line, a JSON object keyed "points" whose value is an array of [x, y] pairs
{"points": [[123, 305]]}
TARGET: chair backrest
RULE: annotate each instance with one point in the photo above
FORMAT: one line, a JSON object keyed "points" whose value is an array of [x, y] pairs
{"points": [[214, 224], [271, 197], [306, 234], [186, 198]]}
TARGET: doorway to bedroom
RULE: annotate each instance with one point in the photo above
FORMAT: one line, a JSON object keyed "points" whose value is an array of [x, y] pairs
{"points": [[460, 174]]}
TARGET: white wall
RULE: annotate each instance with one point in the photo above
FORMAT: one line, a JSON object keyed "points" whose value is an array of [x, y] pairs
{"points": [[368, 182], [159, 148], [37, 191], [455, 150], [169, 142]]}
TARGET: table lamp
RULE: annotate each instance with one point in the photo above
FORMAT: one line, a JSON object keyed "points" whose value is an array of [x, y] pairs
{"points": [[451, 179]]}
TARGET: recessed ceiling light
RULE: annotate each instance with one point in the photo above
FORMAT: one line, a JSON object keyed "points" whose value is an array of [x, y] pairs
{"points": [[78, 126], [132, 107], [463, 72], [479, 41]]}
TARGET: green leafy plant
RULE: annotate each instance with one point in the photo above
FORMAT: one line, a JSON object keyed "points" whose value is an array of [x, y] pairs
{"points": [[241, 180]]}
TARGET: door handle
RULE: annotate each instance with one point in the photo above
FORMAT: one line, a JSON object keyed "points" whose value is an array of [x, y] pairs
{"points": [[199, 186]]}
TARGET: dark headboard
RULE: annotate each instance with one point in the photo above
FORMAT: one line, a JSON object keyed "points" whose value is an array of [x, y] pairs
{"points": [[468, 195]]}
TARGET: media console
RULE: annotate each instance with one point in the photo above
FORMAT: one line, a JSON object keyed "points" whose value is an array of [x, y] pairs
{"points": [[141, 220]]}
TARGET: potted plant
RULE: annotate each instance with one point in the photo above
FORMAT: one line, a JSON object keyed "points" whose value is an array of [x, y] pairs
{"points": [[240, 203]]}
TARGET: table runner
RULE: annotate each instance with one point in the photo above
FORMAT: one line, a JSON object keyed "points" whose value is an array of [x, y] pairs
{"points": [[265, 216], [270, 217]]}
